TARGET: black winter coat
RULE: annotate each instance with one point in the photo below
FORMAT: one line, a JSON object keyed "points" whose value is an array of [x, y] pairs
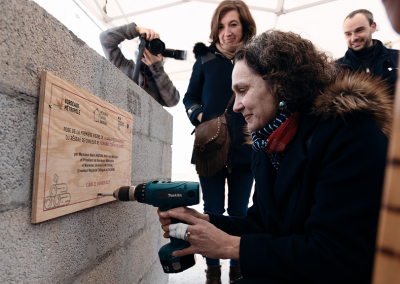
{"points": [[383, 63], [332, 175], [210, 86]]}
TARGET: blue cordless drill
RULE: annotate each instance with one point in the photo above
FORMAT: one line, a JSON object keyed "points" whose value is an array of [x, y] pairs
{"points": [[166, 195]]}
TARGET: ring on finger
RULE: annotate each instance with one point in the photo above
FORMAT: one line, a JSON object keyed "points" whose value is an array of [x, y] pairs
{"points": [[187, 235]]}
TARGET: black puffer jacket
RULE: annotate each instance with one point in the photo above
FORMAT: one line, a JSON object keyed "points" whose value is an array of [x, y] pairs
{"points": [[383, 63], [210, 88]]}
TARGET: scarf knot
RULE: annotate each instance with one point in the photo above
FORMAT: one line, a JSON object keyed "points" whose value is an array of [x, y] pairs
{"points": [[277, 137]]}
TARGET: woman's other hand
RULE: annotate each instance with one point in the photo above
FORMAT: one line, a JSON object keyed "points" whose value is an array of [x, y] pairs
{"points": [[165, 218], [206, 239], [199, 116], [149, 58]]}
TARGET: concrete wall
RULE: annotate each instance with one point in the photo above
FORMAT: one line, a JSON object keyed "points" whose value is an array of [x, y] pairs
{"points": [[111, 243]]}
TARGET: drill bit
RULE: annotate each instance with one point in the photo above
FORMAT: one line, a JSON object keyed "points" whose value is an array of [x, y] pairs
{"points": [[106, 194]]}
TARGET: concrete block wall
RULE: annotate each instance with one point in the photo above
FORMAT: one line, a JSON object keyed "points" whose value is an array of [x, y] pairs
{"points": [[111, 243]]}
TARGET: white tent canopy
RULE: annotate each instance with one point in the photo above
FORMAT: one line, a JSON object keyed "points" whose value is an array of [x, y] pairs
{"points": [[182, 23]]}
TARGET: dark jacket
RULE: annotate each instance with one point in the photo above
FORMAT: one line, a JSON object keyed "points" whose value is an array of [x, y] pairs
{"points": [[210, 88], [158, 84], [383, 63], [328, 235]]}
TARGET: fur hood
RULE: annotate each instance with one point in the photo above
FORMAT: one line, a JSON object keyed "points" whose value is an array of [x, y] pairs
{"points": [[200, 49], [356, 92]]}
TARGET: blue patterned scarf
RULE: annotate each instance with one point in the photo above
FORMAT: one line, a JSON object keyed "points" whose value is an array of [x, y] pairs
{"points": [[260, 138]]}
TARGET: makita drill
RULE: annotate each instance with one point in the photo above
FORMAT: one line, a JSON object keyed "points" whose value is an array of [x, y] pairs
{"points": [[166, 195]]}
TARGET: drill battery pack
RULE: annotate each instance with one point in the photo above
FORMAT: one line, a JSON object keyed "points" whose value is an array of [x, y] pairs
{"points": [[172, 264]]}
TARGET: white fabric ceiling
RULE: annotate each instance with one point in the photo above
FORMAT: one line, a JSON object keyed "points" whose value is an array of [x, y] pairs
{"points": [[182, 23]]}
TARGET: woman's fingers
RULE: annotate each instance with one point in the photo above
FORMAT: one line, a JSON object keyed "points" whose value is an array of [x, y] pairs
{"points": [[165, 222], [183, 252], [165, 214], [178, 230], [184, 217]]}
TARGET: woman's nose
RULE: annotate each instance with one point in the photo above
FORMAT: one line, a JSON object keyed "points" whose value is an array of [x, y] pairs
{"points": [[238, 106]]}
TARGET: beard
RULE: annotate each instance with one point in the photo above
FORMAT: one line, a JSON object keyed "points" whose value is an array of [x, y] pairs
{"points": [[365, 43]]}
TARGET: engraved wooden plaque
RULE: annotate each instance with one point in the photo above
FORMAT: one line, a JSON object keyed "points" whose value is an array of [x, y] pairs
{"points": [[83, 147]]}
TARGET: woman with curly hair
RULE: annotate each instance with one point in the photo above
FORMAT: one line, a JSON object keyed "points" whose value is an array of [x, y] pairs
{"points": [[319, 141]]}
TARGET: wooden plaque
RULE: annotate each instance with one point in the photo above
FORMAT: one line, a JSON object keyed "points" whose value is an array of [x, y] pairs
{"points": [[83, 147]]}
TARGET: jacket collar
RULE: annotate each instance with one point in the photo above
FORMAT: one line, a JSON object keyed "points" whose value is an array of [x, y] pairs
{"points": [[379, 51], [218, 53], [213, 48]]}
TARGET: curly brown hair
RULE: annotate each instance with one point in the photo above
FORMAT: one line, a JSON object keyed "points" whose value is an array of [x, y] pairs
{"points": [[246, 19], [291, 65]]}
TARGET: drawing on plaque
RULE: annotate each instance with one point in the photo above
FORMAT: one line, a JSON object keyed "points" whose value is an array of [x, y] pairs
{"points": [[59, 103], [96, 114], [100, 116], [59, 195]]}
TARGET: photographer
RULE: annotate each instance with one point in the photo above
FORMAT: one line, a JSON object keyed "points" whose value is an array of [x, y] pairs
{"points": [[152, 77]]}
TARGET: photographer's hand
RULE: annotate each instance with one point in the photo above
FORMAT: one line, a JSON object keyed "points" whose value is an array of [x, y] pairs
{"points": [[150, 34], [149, 58]]}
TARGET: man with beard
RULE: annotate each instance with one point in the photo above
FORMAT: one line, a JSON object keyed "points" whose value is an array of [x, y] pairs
{"points": [[364, 53]]}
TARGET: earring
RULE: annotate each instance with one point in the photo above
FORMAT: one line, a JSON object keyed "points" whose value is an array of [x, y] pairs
{"points": [[282, 105]]}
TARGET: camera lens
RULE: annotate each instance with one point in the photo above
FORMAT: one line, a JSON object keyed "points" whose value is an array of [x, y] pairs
{"points": [[156, 46]]}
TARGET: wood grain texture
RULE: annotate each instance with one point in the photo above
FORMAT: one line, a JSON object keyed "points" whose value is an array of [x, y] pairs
{"points": [[387, 257], [83, 147]]}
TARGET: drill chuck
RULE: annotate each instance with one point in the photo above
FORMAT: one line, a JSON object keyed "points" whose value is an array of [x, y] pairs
{"points": [[129, 193]]}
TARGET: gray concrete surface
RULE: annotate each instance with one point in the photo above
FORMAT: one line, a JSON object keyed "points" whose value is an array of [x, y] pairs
{"points": [[111, 243]]}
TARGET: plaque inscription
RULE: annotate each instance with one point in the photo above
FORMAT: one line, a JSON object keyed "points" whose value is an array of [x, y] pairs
{"points": [[83, 147]]}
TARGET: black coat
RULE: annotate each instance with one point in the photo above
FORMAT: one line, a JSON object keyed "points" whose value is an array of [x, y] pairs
{"points": [[383, 63], [328, 235], [210, 87]]}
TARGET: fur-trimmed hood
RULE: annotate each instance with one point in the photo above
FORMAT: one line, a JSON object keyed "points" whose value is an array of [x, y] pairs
{"points": [[356, 92], [200, 49]]}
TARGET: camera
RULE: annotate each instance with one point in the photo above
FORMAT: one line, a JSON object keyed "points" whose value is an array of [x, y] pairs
{"points": [[157, 46]]}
